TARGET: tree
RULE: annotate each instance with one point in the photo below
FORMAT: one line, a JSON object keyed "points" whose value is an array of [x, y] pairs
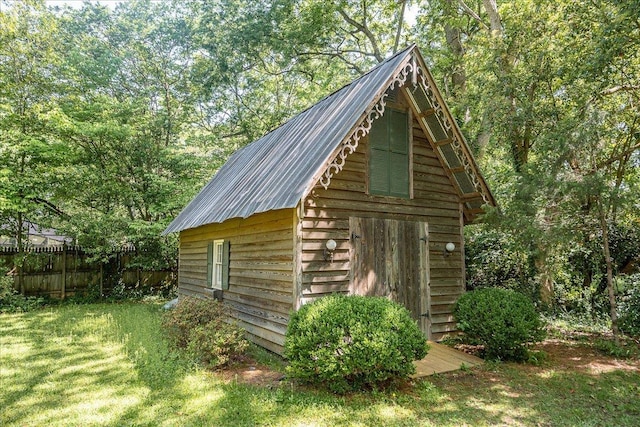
{"points": [[30, 153], [547, 91], [285, 55], [129, 116]]}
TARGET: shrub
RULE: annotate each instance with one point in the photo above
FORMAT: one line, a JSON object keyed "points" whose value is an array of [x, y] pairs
{"points": [[216, 343], [629, 308], [493, 258], [351, 342], [201, 328], [502, 320], [11, 301]]}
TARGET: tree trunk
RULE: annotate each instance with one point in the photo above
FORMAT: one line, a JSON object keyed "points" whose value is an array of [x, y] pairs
{"points": [[458, 75], [495, 22], [545, 278], [454, 41], [612, 294], [18, 260], [403, 6]]}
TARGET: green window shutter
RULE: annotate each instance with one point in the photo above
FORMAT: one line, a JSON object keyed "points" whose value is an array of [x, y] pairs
{"points": [[378, 134], [379, 172], [398, 132], [389, 155], [226, 253], [210, 264], [399, 172]]}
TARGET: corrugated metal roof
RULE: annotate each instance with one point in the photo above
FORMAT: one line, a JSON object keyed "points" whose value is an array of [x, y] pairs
{"points": [[274, 171]]}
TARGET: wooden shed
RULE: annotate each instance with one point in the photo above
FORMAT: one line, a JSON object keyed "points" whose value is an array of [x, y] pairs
{"points": [[366, 192]]}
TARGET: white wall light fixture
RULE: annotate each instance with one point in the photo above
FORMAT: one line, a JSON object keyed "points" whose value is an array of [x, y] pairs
{"points": [[449, 248], [329, 247]]}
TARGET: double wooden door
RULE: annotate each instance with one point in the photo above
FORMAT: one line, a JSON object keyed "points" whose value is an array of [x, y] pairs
{"points": [[390, 258]]}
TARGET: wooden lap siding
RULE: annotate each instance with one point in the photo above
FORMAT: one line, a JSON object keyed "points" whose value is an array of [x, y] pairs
{"points": [[260, 293], [435, 201]]}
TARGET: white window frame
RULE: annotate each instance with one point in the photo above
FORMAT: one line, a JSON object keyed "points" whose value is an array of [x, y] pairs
{"points": [[216, 262]]}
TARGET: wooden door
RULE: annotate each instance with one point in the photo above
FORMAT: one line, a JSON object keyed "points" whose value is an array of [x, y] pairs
{"points": [[390, 258]]}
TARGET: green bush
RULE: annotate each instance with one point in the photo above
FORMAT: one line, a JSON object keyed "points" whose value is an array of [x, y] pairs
{"points": [[502, 320], [629, 308], [352, 342], [216, 343], [11, 301], [201, 328]]}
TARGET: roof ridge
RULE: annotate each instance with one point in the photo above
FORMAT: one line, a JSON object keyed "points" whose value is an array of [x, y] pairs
{"points": [[324, 98]]}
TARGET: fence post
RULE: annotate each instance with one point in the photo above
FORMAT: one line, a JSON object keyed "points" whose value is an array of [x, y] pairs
{"points": [[19, 268], [63, 291]]}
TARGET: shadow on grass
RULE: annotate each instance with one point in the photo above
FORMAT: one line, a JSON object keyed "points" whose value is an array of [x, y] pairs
{"points": [[73, 364], [46, 374], [511, 395], [109, 365]]}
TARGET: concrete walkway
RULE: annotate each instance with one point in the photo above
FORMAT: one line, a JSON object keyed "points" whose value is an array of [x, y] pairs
{"points": [[442, 358]]}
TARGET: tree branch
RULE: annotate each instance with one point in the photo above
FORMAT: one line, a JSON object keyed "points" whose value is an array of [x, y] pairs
{"points": [[494, 17], [620, 156], [472, 14], [49, 206], [621, 88], [365, 30], [400, 22]]}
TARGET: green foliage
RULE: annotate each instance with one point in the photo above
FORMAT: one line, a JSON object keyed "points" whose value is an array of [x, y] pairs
{"points": [[128, 111], [504, 321], [347, 343], [31, 154], [201, 327], [11, 301], [216, 343], [493, 259], [629, 308], [620, 350], [556, 136]]}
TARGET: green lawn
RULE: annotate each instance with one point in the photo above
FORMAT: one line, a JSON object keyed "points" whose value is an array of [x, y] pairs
{"points": [[107, 364]]}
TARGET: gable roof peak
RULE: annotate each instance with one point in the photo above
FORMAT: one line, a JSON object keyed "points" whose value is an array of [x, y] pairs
{"points": [[282, 167]]}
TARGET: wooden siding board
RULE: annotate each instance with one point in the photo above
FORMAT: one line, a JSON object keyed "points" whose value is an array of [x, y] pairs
{"points": [[261, 271], [435, 201]]}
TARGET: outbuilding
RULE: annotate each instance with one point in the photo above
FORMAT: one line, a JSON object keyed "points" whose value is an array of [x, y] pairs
{"points": [[366, 192]]}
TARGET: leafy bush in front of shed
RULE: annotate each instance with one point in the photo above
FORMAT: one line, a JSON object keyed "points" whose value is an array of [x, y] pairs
{"points": [[352, 342], [502, 320], [202, 329]]}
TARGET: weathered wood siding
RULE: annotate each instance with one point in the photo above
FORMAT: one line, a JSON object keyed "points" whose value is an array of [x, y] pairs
{"points": [[435, 201], [260, 293]]}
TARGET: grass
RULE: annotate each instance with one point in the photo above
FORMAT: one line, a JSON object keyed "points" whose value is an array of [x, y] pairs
{"points": [[108, 365]]}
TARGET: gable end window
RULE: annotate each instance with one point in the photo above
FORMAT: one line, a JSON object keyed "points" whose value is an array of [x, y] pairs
{"points": [[389, 155], [218, 264]]}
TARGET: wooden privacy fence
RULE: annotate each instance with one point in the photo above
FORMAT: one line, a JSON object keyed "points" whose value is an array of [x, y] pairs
{"points": [[59, 272]]}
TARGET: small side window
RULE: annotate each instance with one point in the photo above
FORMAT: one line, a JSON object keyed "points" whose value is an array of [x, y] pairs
{"points": [[218, 264]]}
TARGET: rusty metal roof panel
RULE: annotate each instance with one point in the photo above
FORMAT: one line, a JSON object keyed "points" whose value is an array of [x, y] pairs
{"points": [[274, 171]]}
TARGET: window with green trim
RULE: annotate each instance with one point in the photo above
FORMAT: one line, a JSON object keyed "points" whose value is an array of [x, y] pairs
{"points": [[389, 155]]}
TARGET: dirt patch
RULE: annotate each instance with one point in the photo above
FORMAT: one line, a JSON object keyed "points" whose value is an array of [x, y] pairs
{"points": [[574, 353], [248, 371], [576, 356], [561, 355]]}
